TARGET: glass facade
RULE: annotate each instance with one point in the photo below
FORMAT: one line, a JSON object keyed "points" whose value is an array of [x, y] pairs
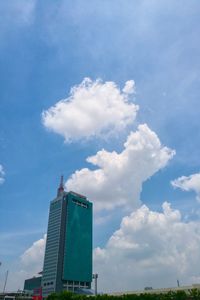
{"points": [[78, 243], [32, 283]]}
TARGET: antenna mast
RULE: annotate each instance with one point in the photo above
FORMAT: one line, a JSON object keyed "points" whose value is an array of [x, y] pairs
{"points": [[61, 187], [5, 282]]}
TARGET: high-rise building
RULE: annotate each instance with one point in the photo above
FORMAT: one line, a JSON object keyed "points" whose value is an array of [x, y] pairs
{"points": [[68, 253]]}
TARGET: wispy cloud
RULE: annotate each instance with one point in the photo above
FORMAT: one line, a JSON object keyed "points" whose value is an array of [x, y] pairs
{"points": [[2, 174], [188, 183]]}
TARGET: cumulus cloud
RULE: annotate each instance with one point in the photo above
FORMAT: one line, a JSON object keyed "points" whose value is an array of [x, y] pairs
{"points": [[28, 265], [149, 249], [119, 177], [33, 256], [188, 183], [2, 174], [93, 108]]}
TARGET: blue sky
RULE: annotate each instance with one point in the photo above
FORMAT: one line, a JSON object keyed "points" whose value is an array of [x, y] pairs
{"points": [[48, 47]]}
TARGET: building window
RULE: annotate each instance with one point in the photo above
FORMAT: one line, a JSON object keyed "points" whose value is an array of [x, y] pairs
{"points": [[79, 203]]}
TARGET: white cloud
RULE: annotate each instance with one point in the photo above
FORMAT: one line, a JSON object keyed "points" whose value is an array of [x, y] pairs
{"points": [[149, 249], [119, 178], [129, 87], [33, 257], [27, 266], [2, 174], [93, 108], [188, 183]]}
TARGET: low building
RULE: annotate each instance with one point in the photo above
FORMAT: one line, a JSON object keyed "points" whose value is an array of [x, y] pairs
{"points": [[15, 295], [33, 286], [32, 283]]}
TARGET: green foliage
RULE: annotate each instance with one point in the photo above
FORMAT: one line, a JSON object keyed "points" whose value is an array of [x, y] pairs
{"points": [[195, 294], [53, 296], [181, 295], [64, 295], [178, 295]]}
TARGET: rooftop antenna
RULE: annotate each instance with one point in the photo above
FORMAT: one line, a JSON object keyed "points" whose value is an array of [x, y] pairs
{"points": [[61, 187], [5, 282]]}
